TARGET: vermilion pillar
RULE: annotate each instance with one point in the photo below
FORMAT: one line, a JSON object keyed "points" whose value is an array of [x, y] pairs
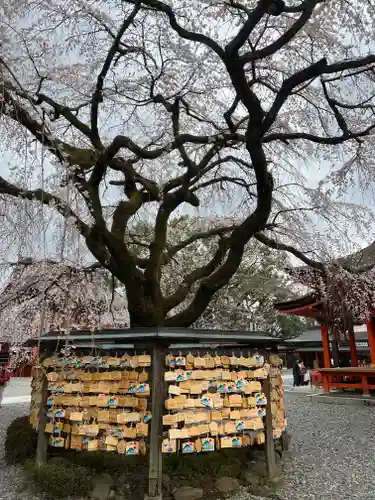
{"points": [[371, 339], [326, 356], [353, 349], [325, 342]]}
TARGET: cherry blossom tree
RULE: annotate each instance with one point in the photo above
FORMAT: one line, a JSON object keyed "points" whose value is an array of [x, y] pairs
{"points": [[345, 287], [121, 111], [49, 295]]}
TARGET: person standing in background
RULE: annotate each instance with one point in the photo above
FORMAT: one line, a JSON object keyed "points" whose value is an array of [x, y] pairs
{"points": [[302, 371], [296, 374]]}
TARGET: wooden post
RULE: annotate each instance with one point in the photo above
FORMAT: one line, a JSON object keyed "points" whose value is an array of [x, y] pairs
{"points": [[325, 343], [269, 446], [371, 339], [365, 388], [285, 441], [156, 434], [353, 348], [326, 356], [316, 360], [42, 444]]}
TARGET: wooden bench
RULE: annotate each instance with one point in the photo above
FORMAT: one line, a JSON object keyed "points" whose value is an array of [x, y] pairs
{"points": [[359, 378]]}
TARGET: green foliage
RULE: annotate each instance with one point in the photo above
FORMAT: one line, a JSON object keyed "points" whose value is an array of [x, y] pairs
{"points": [[20, 441], [105, 462], [215, 465], [291, 326], [59, 480]]}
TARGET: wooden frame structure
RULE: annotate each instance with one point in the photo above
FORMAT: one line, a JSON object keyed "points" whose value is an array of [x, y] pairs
{"points": [[333, 377], [158, 341]]}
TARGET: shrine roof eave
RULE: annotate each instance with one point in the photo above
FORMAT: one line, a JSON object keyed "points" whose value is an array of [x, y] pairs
{"points": [[308, 306]]}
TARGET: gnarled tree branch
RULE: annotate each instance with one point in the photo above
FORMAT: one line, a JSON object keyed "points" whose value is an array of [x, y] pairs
{"points": [[97, 97]]}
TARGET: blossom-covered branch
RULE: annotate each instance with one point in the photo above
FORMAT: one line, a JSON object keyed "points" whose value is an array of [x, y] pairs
{"points": [[47, 199], [60, 296]]}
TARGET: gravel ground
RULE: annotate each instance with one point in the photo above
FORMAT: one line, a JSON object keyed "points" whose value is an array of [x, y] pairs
{"points": [[11, 480], [332, 455]]}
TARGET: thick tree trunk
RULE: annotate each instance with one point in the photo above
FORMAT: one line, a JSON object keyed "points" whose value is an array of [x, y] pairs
{"points": [[143, 312], [137, 320], [335, 351]]}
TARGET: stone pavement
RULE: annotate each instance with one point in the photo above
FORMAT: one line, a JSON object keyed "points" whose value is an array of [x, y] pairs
{"points": [[332, 452], [16, 391]]}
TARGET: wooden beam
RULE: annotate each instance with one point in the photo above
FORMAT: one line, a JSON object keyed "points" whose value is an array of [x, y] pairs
{"points": [[269, 446], [42, 444], [156, 435]]}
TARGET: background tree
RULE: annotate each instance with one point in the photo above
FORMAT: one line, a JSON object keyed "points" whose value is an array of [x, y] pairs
{"points": [[140, 107], [291, 326], [248, 298]]}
